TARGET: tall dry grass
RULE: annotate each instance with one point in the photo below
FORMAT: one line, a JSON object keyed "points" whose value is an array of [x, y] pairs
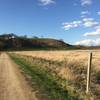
{"points": [[70, 56], [73, 67]]}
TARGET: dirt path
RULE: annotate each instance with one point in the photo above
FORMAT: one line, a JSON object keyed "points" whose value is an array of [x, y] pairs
{"points": [[12, 84]]}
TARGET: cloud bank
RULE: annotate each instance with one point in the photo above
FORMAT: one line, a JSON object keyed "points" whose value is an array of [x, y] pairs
{"points": [[85, 22], [94, 33], [89, 42], [89, 22]]}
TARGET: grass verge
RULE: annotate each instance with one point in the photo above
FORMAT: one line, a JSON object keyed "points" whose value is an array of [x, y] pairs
{"points": [[44, 80]]}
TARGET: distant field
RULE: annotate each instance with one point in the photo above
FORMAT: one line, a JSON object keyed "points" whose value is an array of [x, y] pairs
{"points": [[79, 56]]}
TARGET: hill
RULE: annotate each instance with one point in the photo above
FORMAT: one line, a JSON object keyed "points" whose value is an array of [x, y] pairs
{"points": [[14, 42]]}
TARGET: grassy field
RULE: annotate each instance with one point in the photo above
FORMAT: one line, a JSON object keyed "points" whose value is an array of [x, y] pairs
{"points": [[69, 69], [79, 56]]}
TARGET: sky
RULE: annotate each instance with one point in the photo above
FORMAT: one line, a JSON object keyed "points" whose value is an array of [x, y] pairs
{"points": [[74, 21]]}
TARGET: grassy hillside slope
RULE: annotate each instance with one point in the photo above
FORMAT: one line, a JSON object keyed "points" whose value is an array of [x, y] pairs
{"points": [[13, 42]]}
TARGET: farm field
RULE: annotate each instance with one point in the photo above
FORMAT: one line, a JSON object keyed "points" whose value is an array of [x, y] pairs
{"points": [[48, 75], [79, 56], [70, 66]]}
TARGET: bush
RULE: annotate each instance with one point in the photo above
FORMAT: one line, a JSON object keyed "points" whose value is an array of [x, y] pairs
{"points": [[98, 76]]}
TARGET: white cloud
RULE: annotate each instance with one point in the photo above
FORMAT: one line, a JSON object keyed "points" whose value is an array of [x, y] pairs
{"points": [[98, 13], [88, 19], [46, 2], [89, 42], [86, 2], [97, 41], [85, 42], [70, 25], [85, 12], [89, 22], [95, 33], [86, 22]]}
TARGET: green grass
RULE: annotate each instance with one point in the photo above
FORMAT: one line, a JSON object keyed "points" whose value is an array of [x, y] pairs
{"points": [[98, 76], [45, 81]]}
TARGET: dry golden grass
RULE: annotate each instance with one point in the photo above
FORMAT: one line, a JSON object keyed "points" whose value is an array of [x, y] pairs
{"points": [[52, 55], [73, 68], [76, 58], [70, 56]]}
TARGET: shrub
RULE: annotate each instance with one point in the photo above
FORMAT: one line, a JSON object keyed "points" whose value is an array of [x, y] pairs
{"points": [[98, 76]]}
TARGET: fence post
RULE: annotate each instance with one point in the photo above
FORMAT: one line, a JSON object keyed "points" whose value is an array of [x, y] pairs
{"points": [[89, 72]]}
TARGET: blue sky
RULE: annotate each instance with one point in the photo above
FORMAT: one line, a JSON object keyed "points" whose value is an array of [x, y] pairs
{"points": [[74, 21]]}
